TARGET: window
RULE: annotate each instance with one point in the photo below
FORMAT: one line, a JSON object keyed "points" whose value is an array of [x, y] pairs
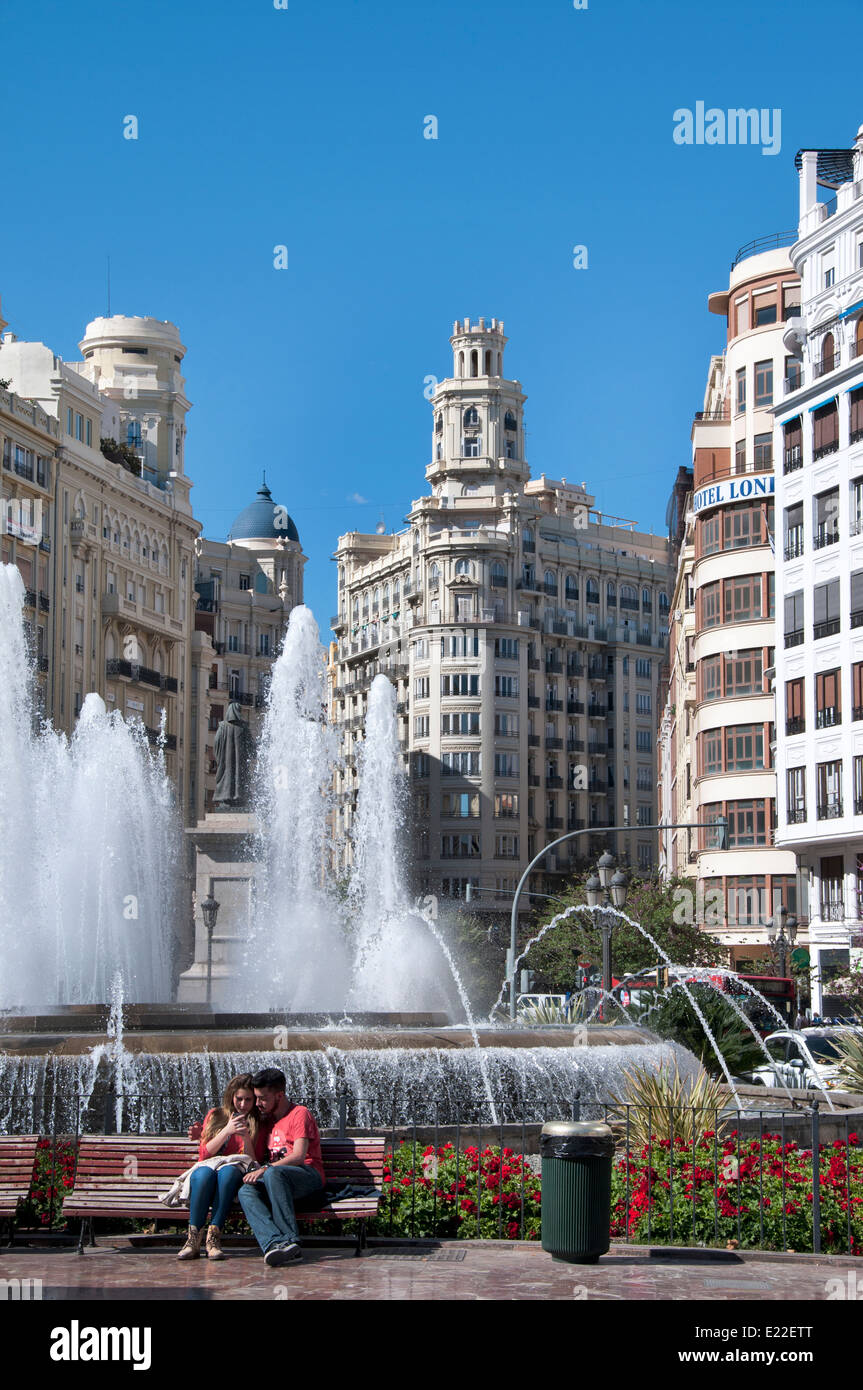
{"points": [[826, 519], [245, 581], [463, 723], [743, 675], [642, 703], [790, 301], [795, 795], [471, 417], [421, 765], [742, 597], [742, 314], [764, 314], [644, 778], [763, 384], [792, 457], [794, 531], [506, 847], [747, 823], [506, 764], [264, 643], [857, 598], [642, 667], [795, 709], [571, 588], [421, 687], [460, 764], [855, 401], [828, 267], [643, 740], [89, 432], [763, 452], [497, 575], [857, 690], [794, 618], [462, 567], [710, 610], [506, 648], [506, 805], [459, 846], [506, 725], [610, 595], [828, 708], [832, 879], [740, 395], [463, 684], [825, 430], [462, 805], [740, 456], [710, 537], [826, 615], [710, 671], [711, 743], [793, 373], [506, 687], [592, 591], [421, 726], [744, 748], [828, 790]]}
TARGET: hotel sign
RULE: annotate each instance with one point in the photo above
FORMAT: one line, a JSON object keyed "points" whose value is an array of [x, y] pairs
{"points": [[754, 487]]}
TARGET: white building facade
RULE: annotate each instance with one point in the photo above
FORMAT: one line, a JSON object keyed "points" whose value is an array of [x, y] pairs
{"points": [[819, 509]]}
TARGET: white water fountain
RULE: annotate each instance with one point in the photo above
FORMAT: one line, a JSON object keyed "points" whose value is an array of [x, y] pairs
{"points": [[88, 850]]}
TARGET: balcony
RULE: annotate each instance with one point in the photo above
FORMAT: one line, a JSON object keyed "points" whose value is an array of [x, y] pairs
{"points": [[596, 711], [575, 707], [829, 810], [796, 815], [797, 725], [828, 629], [550, 589], [42, 663], [574, 668], [795, 639], [553, 666], [575, 745], [827, 364], [597, 787], [825, 535], [533, 702], [554, 783], [533, 780], [529, 585], [533, 663], [553, 823], [828, 718], [533, 740], [792, 459], [826, 449], [529, 547], [794, 545], [552, 742], [857, 618], [833, 912], [553, 706], [858, 805], [857, 713], [338, 622]]}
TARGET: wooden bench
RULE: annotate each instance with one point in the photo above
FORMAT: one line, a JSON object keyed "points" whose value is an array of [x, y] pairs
{"points": [[17, 1161], [122, 1176]]}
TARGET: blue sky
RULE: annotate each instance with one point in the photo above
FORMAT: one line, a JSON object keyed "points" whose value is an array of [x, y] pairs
{"points": [[304, 127]]}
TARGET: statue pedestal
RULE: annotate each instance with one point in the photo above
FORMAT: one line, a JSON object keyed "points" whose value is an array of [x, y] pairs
{"points": [[222, 844]]}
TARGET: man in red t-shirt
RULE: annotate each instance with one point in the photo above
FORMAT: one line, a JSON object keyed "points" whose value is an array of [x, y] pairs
{"points": [[295, 1169]]}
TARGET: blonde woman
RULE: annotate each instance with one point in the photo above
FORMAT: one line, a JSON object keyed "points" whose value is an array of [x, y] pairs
{"points": [[234, 1127]]}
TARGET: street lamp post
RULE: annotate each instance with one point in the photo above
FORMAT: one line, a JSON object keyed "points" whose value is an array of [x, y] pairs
{"points": [[782, 933], [719, 826], [209, 912], [604, 890]]}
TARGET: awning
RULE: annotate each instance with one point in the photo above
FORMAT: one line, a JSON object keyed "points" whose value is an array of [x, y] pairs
{"points": [[853, 310], [821, 404]]}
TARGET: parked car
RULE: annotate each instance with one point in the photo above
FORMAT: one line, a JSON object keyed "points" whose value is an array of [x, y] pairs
{"points": [[803, 1058]]}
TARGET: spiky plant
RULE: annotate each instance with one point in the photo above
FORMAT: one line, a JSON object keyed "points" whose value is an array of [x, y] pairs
{"points": [[663, 1104], [850, 1048]]}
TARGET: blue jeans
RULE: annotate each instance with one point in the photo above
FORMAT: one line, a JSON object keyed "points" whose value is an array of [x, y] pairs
{"points": [[269, 1203], [217, 1187]]}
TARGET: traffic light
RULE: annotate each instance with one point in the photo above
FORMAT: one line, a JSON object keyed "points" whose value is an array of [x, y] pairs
{"points": [[662, 977]]}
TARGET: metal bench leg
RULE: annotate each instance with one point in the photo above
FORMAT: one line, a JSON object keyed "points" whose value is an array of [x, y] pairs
{"points": [[92, 1233], [361, 1238], [81, 1236]]}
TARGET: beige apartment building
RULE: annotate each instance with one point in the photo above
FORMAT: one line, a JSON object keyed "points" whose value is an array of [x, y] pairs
{"points": [[245, 587], [717, 729], [524, 631], [118, 593]]}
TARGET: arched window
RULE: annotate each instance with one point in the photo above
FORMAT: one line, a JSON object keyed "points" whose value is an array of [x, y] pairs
{"points": [[461, 364], [376, 600], [366, 604], [610, 595], [133, 434], [571, 587], [592, 591], [509, 421], [386, 597], [497, 575], [487, 363], [438, 424], [828, 353], [397, 591], [355, 611], [663, 603], [471, 417], [434, 574], [474, 362], [527, 537], [439, 452], [858, 338], [462, 566], [628, 596], [550, 582], [646, 600]]}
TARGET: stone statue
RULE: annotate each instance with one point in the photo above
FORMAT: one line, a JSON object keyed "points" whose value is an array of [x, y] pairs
{"points": [[233, 749]]}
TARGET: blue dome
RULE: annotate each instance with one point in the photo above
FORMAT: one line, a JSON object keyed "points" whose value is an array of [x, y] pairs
{"points": [[258, 521]]}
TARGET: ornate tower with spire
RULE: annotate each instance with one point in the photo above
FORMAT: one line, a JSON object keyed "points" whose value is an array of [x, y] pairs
{"points": [[478, 431]]}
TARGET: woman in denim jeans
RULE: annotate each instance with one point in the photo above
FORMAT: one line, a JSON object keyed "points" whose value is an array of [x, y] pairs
{"points": [[232, 1128]]}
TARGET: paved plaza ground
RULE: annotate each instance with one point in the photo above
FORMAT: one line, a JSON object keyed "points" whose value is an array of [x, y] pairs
{"points": [[448, 1270]]}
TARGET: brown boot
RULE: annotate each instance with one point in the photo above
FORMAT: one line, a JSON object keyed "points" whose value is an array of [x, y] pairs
{"points": [[192, 1249], [214, 1244]]}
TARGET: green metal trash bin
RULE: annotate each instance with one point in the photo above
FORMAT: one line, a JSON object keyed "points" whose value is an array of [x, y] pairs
{"points": [[576, 1189]]}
